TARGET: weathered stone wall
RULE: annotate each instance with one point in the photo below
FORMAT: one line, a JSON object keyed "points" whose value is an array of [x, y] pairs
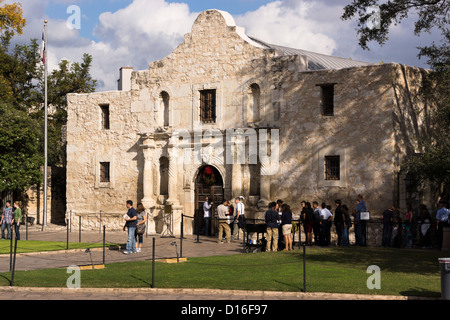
{"points": [[33, 198], [216, 55]]}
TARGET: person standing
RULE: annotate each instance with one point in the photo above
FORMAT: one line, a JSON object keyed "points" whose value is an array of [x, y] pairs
{"points": [[230, 218], [338, 221], [308, 223], [140, 226], [222, 212], [347, 223], [316, 222], [207, 209], [424, 222], [441, 221], [388, 216], [6, 220], [271, 218], [286, 227], [325, 219], [130, 224], [239, 218], [360, 225], [17, 219]]}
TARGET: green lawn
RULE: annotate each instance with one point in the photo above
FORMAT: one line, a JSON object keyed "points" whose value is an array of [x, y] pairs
{"points": [[44, 246], [338, 270]]}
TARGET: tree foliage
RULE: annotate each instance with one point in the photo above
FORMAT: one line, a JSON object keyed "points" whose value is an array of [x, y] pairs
{"points": [[22, 104], [432, 162], [430, 14], [11, 18], [20, 150]]}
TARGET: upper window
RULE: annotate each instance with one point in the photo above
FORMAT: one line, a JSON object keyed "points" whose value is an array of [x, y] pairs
{"points": [[332, 168], [208, 106], [327, 103], [105, 116], [165, 99], [256, 99], [105, 172]]}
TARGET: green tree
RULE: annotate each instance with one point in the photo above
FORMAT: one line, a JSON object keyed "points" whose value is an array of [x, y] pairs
{"points": [[22, 104], [68, 78], [432, 162], [430, 14], [20, 150]]}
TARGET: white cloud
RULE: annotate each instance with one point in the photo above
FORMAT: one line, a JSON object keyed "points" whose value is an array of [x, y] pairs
{"points": [[288, 24], [148, 30]]}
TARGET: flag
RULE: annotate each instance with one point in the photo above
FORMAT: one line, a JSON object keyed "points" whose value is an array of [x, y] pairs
{"points": [[43, 47]]}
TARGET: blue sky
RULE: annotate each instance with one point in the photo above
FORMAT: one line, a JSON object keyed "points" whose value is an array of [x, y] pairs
{"points": [[91, 9], [135, 32]]}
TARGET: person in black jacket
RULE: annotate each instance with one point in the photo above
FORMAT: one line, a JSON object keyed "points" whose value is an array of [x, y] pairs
{"points": [[338, 221], [271, 218]]}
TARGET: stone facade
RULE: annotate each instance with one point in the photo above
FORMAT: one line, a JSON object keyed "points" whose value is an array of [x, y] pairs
{"points": [[258, 89]]}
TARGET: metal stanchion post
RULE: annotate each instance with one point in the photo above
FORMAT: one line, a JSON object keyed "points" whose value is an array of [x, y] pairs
{"points": [[300, 233], [182, 234], [104, 243], [14, 263], [304, 268], [67, 237], [11, 234], [79, 229], [198, 228], [153, 264]]}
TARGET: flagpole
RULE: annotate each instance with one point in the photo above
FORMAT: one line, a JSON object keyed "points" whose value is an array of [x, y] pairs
{"points": [[44, 223]]}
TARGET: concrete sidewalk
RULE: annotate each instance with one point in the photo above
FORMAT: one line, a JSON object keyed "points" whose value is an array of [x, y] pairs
{"points": [[207, 246]]}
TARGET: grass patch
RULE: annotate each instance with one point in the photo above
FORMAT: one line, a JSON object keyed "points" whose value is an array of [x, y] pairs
{"points": [[338, 270], [44, 246]]}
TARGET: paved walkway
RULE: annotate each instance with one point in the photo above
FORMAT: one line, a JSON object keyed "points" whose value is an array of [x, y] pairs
{"points": [[164, 248]]}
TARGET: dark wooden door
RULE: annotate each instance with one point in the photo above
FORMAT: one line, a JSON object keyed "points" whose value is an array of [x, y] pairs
{"points": [[216, 194]]}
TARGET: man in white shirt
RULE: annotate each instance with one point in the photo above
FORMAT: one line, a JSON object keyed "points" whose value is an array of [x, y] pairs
{"points": [[207, 207], [325, 225], [239, 217]]}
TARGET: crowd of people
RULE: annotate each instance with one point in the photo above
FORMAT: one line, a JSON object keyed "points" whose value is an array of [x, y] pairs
{"points": [[317, 221], [11, 218], [400, 229], [412, 227]]}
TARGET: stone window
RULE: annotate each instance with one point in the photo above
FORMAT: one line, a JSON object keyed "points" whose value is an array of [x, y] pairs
{"points": [[208, 106], [105, 116], [105, 172], [164, 176], [332, 168], [327, 103], [256, 102], [165, 98]]}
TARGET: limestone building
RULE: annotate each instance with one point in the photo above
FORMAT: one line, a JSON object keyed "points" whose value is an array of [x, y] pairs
{"points": [[228, 115]]}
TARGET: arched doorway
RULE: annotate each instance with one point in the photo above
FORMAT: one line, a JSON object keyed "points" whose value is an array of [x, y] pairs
{"points": [[209, 183]]}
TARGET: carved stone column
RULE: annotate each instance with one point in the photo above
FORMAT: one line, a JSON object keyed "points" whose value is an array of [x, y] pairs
{"points": [[173, 176], [265, 183], [236, 181], [148, 199]]}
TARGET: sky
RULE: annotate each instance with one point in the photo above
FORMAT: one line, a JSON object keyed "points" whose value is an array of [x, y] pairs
{"points": [[134, 33]]}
